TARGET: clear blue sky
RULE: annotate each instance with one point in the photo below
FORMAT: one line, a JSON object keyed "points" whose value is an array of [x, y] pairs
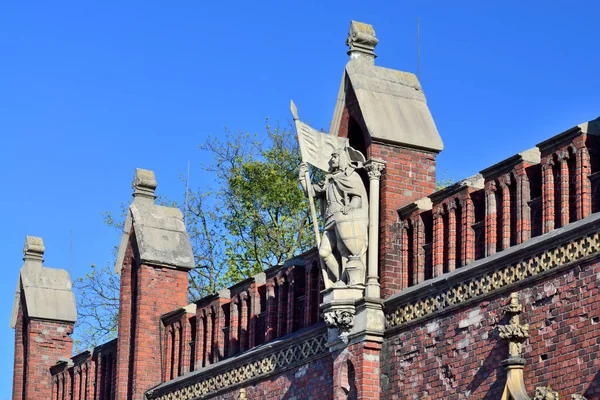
{"points": [[90, 91]]}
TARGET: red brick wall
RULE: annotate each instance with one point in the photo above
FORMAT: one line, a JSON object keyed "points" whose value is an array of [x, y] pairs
{"points": [[45, 343], [409, 175], [309, 381], [356, 372], [19, 361], [458, 355], [147, 292]]}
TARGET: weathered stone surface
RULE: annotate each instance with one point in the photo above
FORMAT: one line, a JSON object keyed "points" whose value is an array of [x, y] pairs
{"points": [[47, 291], [160, 231], [392, 104]]}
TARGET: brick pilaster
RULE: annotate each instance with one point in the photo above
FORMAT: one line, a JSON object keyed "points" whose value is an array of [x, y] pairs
{"points": [[491, 220]]}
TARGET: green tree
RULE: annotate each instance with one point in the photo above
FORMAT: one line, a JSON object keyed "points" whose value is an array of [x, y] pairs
{"points": [[252, 218]]}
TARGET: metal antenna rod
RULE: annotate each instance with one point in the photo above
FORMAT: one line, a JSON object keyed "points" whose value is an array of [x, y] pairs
{"points": [[187, 181], [70, 251], [418, 48]]}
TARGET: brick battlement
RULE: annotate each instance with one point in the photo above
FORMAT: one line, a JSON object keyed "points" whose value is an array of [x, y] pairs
{"points": [[519, 198], [88, 375], [258, 310]]}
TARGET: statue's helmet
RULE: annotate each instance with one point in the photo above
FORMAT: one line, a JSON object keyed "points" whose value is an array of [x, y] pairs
{"points": [[349, 157]]}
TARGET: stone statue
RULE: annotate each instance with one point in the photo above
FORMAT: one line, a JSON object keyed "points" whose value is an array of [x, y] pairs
{"points": [[344, 209]]}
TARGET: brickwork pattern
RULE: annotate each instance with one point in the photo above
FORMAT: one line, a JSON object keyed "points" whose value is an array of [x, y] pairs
{"points": [[147, 292], [41, 344], [261, 367], [458, 355]]}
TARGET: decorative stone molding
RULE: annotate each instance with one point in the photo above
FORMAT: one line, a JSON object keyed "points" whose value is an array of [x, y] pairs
{"points": [[488, 275], [253, 365]]}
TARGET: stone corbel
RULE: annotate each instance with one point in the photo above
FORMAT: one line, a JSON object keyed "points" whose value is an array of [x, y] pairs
{"points": [[342, 319]]}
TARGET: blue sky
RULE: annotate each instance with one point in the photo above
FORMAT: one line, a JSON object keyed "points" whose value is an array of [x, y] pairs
{"points": [[91, 90]]}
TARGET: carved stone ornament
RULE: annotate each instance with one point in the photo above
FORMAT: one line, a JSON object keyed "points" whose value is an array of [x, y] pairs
{"points": [[514, 333], [342, 319], [344, 208], [361, 39], [545, 393], [374, 169]]}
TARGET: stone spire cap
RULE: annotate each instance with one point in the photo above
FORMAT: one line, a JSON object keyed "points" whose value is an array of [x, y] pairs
{"points": [[362, 42], [160, 232], [46, 292], [144, 184], [391, 103]]}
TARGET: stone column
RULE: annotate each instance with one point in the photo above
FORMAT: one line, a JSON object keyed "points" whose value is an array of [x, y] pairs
{"points": [[374, 168]]}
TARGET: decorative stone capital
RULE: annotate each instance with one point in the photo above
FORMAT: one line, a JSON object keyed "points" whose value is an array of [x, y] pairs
{"points": [[362, 42], [490, 188], [505, 181], [144, 184], [452, 206], [342, 319], [374, 168]]}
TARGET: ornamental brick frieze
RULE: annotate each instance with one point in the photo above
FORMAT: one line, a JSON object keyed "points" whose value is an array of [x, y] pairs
{"points": [[484, 277], [257, 364]]}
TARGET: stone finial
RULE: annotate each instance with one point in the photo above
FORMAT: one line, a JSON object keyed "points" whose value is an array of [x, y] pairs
{"points": [[362, 42], [33, 249], [514, 333], [144, 184]]}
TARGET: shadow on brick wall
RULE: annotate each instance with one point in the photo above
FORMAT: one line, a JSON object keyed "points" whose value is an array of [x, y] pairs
{"points": [[593, 390], [490, 364]]}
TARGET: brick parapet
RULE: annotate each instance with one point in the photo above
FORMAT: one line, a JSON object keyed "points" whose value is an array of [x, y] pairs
{"points": [[88, 375], [520, 198], [262, 364]]}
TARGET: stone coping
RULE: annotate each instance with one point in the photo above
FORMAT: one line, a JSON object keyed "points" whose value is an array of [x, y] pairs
{"points": [[270, 358], [520, 264]]}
